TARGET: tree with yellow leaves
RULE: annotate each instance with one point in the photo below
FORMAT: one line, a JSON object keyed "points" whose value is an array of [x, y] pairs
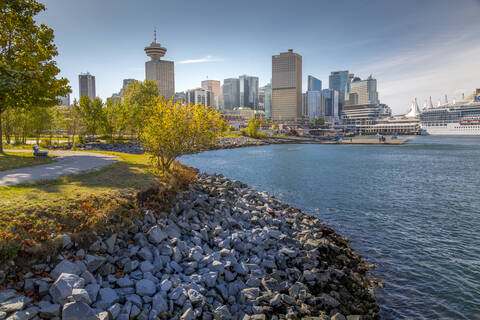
{"points": [[171, 129]]}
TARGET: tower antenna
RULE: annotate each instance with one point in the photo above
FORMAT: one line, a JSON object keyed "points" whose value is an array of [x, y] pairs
{"points": [[155, 34]]}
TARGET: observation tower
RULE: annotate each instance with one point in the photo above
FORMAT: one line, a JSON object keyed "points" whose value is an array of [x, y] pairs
{"points": [[161, 71]]}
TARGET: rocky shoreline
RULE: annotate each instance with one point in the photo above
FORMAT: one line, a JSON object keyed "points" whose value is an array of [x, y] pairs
{"points": [[224, 251], [135, 148]]}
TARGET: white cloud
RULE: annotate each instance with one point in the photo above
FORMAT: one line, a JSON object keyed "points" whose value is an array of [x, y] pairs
{"points": [[201, 60], [439, 67]]}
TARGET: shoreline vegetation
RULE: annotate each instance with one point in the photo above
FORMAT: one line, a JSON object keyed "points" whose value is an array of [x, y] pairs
{"points": [[222, 143]]}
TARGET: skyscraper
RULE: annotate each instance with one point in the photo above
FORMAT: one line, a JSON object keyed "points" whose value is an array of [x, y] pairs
{"points": [[314, 84], [338, 80], [267, 101], [364, 91], [248, 92], [231, 93], [287, 86], [214, 87], [332, 98], [314, 101], [261, 98], [86, 84], [253, 92], [316, 105], [161, 71]]}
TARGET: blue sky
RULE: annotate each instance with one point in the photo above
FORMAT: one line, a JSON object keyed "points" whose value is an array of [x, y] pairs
{"points": [[415, 48]]}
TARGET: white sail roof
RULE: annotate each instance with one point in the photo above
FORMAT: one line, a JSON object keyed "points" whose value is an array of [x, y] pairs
{"points": [[414, 110], [430, 104]]}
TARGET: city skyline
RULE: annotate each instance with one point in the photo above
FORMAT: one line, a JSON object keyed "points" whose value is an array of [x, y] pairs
{"points": [[413, 51]]}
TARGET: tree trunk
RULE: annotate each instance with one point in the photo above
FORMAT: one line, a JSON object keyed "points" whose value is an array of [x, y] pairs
{"points": [[8, 129], [1, 133]]}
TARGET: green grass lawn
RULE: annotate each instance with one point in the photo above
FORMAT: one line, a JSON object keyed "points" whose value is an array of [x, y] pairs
{"points": [[15, 160], [30, 213]]}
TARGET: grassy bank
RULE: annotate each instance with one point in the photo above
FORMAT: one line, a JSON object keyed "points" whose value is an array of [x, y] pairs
{"points": [[15, 160], [36, 213]]}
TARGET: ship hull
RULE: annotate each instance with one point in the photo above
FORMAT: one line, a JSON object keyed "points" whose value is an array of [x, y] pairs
{"points": [[451, 129]]}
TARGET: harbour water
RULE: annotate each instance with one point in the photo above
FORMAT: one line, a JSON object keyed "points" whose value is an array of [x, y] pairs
{"points": [[412, 210]]}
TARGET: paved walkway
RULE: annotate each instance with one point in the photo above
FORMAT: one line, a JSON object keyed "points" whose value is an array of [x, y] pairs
{"points": [[68, 162]]}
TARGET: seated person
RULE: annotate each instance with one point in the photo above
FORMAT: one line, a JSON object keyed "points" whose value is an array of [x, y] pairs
{"points": [[38, 152]]}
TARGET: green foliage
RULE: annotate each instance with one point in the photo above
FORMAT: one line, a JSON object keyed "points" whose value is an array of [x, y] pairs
{"points": [[91, 113], [27, 71], [170, 129], [74, 122], [114, 118], [252, 128], [137, 97], [319, 122]]}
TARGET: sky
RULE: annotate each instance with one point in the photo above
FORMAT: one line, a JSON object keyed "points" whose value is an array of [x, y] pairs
{"points": [[414, 48]]}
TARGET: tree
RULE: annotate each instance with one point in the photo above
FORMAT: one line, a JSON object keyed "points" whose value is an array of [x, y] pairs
{"points": [[92, 114], [319, 122], [59, 120], [252, 128], [171, 129], [231, 128], [38, 120], [27, 71], [137, 96], [75, 121], [114, 118]]}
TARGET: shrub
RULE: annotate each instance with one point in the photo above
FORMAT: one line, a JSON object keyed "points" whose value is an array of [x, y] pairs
{"points": [[171, 129], [252, 128]]}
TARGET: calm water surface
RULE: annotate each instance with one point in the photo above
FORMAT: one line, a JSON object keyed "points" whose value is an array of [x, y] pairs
{"points": [[413, 210]]}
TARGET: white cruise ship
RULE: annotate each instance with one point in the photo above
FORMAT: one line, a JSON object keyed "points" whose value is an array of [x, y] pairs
{"points": [[462, 118]]}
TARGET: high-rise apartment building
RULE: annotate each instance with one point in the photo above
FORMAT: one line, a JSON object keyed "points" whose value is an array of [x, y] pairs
{"points": [[248, 92], [214, 87], [86, 85], [363, 91], [267, 101], [231, 93], [314, 84], [287, 86], [161, 71]]}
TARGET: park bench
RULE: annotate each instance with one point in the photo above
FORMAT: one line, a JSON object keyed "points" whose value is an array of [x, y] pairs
{"points": [[39, 153]]}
